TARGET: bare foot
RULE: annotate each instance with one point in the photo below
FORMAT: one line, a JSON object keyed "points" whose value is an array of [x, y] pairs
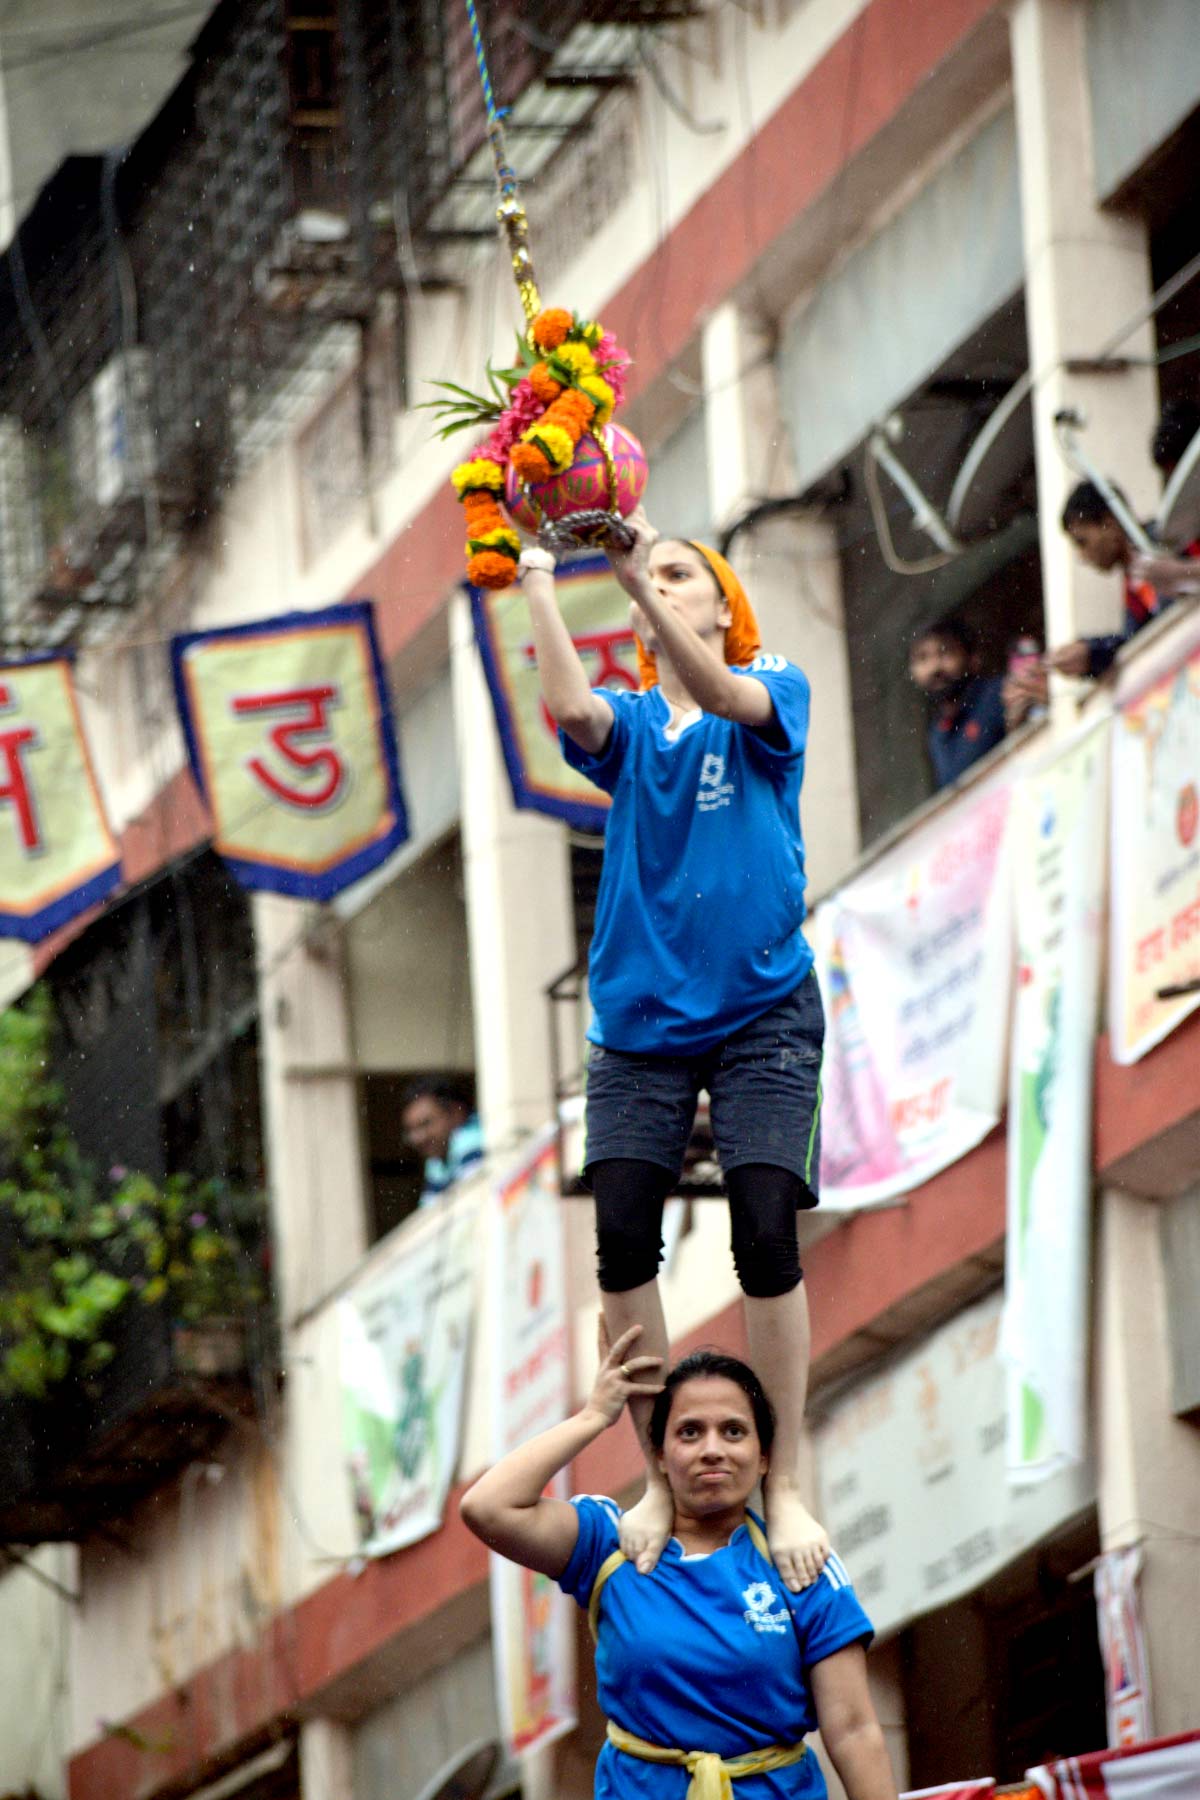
{"points": [[646, 1527], [799, 1545]]}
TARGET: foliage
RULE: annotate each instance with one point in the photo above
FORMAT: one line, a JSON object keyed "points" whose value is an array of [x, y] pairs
{"points": [[78, 1249]]}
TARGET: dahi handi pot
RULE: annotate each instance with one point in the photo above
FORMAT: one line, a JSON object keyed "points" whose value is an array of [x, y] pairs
{"points": [[584, 487]]}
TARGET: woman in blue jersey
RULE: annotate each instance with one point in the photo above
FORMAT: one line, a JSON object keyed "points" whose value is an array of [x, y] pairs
{"points": [[709, 1670], [699, 975]]}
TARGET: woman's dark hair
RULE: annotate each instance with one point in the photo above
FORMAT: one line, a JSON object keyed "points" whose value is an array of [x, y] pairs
{"points": [[707, 1365]]}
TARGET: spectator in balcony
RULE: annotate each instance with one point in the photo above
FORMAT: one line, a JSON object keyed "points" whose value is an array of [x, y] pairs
{"points": [[968, 712], [713, 1670], [442, 1129], [1103, 544], [699, 975]]}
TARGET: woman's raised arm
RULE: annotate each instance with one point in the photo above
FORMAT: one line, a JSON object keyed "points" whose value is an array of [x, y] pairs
{"points": [[508, 1508]]}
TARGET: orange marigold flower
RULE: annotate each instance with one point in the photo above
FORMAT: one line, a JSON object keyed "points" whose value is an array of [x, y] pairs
{"points": [[491, 569], [543, 383], [530, 463], [479, 507], [550, 328]]}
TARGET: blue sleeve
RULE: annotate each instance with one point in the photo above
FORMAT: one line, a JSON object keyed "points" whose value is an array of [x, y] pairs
{"points": [[828, 1615], [785, 739], [604, 766], [596, 1542]]}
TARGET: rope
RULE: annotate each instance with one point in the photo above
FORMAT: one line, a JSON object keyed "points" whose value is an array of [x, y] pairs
{"points": [[510, 212]]}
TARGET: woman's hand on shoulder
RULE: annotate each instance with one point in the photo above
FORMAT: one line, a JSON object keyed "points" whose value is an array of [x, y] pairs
{"points": [[622, 1377]]}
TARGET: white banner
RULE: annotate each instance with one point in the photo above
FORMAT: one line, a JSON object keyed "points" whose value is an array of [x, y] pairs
{"points": [[404, 1340], [1123, 1647], [1057, 833], [915, 960], [1155, 941], [533, 1624], [914, 1492]]}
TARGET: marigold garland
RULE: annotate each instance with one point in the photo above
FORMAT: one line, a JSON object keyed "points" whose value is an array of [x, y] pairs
{"points": [[574, 384]]}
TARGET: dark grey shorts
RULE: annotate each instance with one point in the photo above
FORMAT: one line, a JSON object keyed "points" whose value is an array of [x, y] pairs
{"points": [[763, 1085]]}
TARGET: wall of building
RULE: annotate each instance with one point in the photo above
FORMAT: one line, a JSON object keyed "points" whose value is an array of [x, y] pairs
{"points": [[256, 1563], [35, 1639]]}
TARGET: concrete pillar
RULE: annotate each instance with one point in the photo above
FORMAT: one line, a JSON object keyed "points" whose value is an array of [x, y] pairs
{"points": [[791, 570], [1149, 1461], [326, 1761], [520, 918], [1086, 272], [310, 1101]]}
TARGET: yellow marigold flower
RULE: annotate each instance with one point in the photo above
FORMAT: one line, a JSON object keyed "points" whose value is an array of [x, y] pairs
{"points": [[575, 357], [503, 537], [557, 444], [599, 392], [591, 333], [480, 472]]}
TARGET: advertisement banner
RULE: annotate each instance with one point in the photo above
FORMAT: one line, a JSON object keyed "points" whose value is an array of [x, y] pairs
{"points": [[404, 1341], [1155, 938], [915, 962], [914, 1492], [57, 854], [1165, 1769], [596, 611], [1123, 1647], [533, 1626], [290, 736], [1057, 849]]}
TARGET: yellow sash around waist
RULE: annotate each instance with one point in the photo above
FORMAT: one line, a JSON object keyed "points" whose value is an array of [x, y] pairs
{"points": [[712, 1776]]}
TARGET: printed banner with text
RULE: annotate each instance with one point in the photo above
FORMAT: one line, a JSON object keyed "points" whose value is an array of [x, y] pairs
{"points": [[404, 1343], [1057, 848], [57, 854], [1155, 939], [290, 735], [913, 1486], [533, 1625], [1123, 1646], [915, 962], [596, 611]]}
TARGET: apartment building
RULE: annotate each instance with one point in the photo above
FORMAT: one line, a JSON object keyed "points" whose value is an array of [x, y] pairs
{"points": [[804, 218]]}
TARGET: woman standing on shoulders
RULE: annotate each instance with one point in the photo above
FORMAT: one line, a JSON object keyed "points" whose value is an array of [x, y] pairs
{"points": [[710, 1670]]}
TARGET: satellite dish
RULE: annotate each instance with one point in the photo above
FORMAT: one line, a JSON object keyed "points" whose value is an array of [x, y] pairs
{"points": [[996, 459], [1179, 515], [466, 1775]]}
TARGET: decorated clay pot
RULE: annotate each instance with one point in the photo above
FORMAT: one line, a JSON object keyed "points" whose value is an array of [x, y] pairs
{"points": [[584, 486]]}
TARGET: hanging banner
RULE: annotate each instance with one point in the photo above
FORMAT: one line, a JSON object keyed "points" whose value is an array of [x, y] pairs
{"points": [[1168, 1769], [404, 1342], [57, 854], [913, 1489], [1155, 939], [1057, 847], [914, 960], [596, 611], [289, 732], [1123, 1646], [533, 1624]]}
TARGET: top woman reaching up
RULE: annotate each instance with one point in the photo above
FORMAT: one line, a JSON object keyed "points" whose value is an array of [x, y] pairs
{"points": [[699, 975]]}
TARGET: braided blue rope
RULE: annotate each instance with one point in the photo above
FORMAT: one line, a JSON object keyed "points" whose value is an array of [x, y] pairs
{"points": [[485, 79]]}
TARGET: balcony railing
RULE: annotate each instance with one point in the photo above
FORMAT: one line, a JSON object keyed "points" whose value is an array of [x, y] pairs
{"points": [[71, 1463]]}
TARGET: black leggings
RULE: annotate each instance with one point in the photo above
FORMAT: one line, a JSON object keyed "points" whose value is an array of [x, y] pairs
{"points": [[763, 1201]]}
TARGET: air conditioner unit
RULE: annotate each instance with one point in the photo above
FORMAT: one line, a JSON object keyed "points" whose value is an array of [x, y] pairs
{"points": [[123, 443], [22, 542]]}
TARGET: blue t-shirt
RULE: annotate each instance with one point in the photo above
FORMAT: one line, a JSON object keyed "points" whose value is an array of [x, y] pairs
{"points": [[702, 891], [707, 1653]]}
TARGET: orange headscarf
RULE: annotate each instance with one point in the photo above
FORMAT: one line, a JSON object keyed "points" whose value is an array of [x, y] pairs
{"points": [[743, 640]]}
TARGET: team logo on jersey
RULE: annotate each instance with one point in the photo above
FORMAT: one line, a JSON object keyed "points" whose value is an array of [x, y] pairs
{"points": [[714, 791], [760, 1597], [767, 664]]}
